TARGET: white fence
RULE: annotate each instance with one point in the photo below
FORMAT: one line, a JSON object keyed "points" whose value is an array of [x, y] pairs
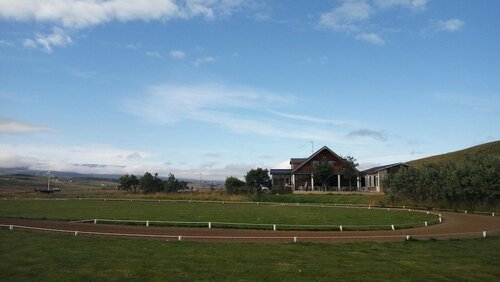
{"points": [[295, 239]]}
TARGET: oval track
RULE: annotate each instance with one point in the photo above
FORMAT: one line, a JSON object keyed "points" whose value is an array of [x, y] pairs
{"points": [[455, 225]]}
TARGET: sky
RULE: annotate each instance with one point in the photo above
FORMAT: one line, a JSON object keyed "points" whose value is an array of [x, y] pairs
{"points": [[214, 88]]}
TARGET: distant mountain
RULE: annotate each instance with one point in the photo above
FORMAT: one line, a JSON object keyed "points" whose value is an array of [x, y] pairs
{"points": [[23, 171], [492, 148], [61, 174]]}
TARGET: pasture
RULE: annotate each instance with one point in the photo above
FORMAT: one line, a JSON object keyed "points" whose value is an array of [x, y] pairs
{"points": [[30, 256], [288, 216]]}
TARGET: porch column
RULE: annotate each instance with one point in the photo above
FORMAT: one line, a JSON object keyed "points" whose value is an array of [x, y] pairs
{"points": [[338, 181], [312, 182], [378, 181], [358, 182], [293, 181]]}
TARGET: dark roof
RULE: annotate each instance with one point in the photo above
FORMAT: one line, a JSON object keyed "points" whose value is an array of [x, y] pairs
{"points": [[314, 155], [280, 171], [382, 167]]}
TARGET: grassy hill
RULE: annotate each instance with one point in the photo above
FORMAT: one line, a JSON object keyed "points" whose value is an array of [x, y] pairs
{"points": [[492, 148]]}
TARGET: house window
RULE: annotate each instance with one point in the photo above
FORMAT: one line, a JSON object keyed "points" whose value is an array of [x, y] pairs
{"points": [[315, 163], [332, 163]]}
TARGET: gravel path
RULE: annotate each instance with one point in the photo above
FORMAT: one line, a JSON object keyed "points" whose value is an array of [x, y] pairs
{"points": [[454, 225]]}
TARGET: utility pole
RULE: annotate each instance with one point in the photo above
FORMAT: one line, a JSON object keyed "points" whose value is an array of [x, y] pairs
{"points": [[48, 182]]}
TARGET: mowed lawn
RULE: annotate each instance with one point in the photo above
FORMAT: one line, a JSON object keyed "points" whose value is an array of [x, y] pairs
{"points": [[208, 212], [34, 256]]}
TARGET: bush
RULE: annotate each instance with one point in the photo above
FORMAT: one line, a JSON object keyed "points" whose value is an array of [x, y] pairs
{"points": [[471, 183], [235, 186]]}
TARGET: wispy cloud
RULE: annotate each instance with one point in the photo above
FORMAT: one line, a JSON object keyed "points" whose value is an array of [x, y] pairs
{"points": [[372, 38], [12, 126], [356, 17], [347, 16], [311, 119], [6, 43], [46, 42], [415, 5], [177, 54], [204, 60], [367, 133], [153, 54], [451, 25], [236, 109]]}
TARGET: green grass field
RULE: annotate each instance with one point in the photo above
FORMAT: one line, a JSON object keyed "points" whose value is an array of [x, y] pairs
{"points": [[33, 256], [208, 212]]}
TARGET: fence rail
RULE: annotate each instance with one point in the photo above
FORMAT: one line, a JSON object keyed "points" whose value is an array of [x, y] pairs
{"points": [[295, 239], [262, 226]]}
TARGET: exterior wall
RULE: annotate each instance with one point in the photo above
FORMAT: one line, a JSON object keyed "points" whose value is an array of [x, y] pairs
{"points": [[321, 157], [281, 180]]}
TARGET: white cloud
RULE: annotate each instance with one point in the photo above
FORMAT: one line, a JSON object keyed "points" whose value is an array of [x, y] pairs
{"points": [[450, 25], [367, 133], [410, 4], [177, 54], [11, 126], [153, 54], [236, 109], [356, 17], [5, 43], [102, 159], [347, 16], [205, 60], [372, 38], [311, 119], [57, 38], [85, 13]]}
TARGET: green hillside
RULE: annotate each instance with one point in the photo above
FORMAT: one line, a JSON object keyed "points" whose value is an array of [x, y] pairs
{"points": [[492, 148]]}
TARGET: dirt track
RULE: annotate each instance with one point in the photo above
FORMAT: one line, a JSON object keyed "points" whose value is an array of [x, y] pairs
{"points": [[454, 225]]}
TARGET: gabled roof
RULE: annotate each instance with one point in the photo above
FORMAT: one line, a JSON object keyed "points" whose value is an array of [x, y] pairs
{"points": [[315, 154], [298, 160], [280, 171], [382, 167]]}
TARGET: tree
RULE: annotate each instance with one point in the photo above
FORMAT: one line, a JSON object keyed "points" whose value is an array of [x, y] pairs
{"points": [[323, 174], [172, 184], [258, 178], [235, 186], [349, 168], [149, 183], [128, 182]]}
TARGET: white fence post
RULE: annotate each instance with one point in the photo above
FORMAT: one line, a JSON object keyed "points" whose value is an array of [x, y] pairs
{"points": [[209, 225], [392, 226], [179, 238], [492, 214], [11, 227], [295, 239], [407, 237], [274, 227], [484, 234], [465, 211], [340, 227], [425, 223], [147, 223], [369, 207], [95, 221], [76, 233]]}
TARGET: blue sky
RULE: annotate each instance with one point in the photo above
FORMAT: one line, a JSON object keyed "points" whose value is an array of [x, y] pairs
{"points": [[218, 87]]}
